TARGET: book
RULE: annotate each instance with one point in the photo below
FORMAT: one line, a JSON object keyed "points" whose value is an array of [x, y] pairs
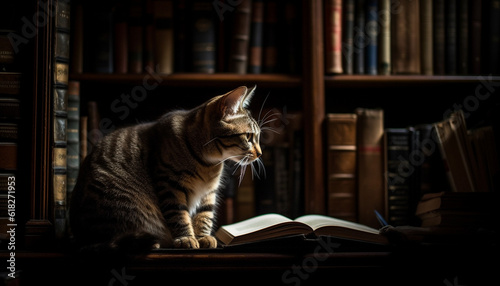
{"points": [[135, 37], [403, 187], [384, 61], [291, 59], [370, 165], [73, 158], [256, 37], [405, 39], [163, 11], [269, 226], [333, 36], [77, 36], [348, 13], [120, 41], [454, 209], [438, 10], [98, 39], [359, 37], [475, 36], [463, 37], [203, 37], [372, 32], [240, 37], [270, 44], [465, 201], [456, 152], [450, 36], [492, 38], [59, 129], [426, 37], [341, 139]]}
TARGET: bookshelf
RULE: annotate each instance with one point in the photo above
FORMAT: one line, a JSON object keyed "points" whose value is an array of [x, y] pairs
{"points": [[226, 80], [318, 94], [352, 81]]}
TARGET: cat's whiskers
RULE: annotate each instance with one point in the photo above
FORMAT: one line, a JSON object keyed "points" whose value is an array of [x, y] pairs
{"points": [[230, 157]]}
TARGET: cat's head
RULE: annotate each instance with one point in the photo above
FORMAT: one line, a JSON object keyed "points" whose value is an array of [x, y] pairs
{"points": [[235, 134]]}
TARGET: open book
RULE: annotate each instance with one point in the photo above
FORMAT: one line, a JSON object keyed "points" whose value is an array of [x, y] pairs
{"points": [[270, 226]]}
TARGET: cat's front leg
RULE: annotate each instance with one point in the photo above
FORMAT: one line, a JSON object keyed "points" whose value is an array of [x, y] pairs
{"points": [[203, 221], [175, 211]]}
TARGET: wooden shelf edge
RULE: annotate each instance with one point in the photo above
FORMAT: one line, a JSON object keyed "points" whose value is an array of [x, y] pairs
{"points": [[190, 79], [332, 81]]}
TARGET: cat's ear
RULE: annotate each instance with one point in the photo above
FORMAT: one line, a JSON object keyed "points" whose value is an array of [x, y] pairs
{"points": [[248, 97], [233, 101]]}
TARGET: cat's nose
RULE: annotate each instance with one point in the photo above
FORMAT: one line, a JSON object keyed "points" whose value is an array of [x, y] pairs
{"points": [[258, 154]]}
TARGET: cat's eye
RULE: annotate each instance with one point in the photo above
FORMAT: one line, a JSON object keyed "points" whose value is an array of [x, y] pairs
{"points": [[249, 136]]}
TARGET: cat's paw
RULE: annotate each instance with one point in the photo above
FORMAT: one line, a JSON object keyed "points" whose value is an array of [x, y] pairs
{"points": [[207, 242], [186, 242]]}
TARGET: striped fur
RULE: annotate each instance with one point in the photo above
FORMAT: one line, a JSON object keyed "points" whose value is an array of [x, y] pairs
{"points": [[159, 180]]}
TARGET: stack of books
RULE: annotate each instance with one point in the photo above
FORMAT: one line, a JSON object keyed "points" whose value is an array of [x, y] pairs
{"points": [[457, 209]]}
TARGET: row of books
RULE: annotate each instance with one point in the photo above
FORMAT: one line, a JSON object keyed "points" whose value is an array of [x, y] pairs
{"points": [[388, 170], [412, 37], [15, 108], [10, 119], [187, 36]]}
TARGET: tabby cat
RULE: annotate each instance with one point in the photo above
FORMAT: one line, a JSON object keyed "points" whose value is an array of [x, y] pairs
{"points": [[155, 184]]}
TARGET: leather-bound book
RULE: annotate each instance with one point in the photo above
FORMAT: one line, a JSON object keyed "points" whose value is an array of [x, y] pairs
{"points": [[370, 160], [341, 134], [240, 38]]}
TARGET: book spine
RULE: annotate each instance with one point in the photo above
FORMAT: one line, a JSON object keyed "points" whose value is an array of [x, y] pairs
{"points": [[463, 37], [372, 31], [270, 59], [292, 29], [135, 37], [256, 37], [8, 160], [73, 158], [475, 36], [149, 36], [120, 40], [359, 37], [493, 37], [99, 51], [451, 37], [439, 36], [94, 134], [426, 37], [240, 37], [204, 49], [384, 62], [296, 170], [245, 199], [182, 46], [164, 35], [281, 179], [333, 30], [341, 134], [348, 36], [398, 176], [370, 163], [406, 40], [8, 55], [60, 115]]}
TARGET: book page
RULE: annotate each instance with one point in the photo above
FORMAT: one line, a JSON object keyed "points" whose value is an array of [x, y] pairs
{"points": [[255, 224], [318, 221]]}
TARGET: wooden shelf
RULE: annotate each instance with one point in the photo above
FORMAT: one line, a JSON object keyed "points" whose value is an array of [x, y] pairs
{"points": [[348, 81], [195, 79]]}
